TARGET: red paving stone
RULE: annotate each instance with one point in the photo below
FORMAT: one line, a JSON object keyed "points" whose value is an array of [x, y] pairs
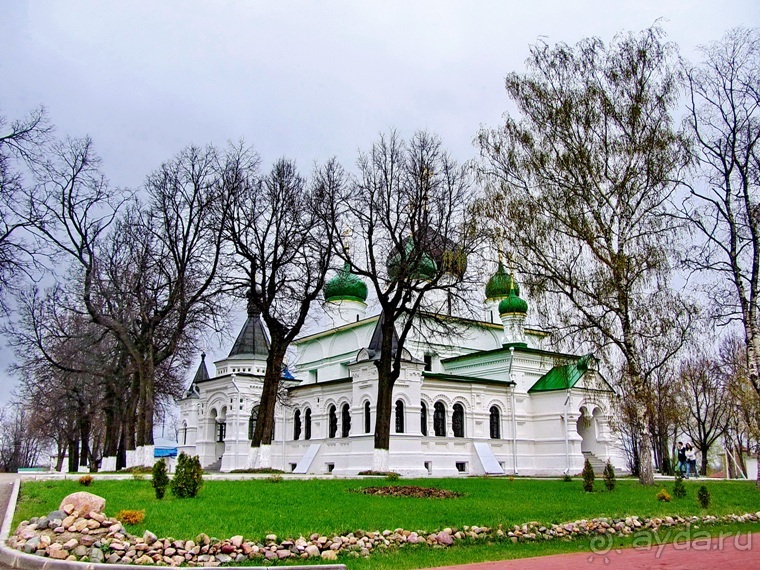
{"points": [[737, 552]]}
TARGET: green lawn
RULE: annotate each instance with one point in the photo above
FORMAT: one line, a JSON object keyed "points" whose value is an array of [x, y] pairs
{"points": [[291, 508]]}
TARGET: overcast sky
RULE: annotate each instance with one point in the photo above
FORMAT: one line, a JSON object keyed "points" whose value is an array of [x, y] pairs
{"points": [[306, 80]]}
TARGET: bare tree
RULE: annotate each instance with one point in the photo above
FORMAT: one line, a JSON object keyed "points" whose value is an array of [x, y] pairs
{"points": [[580, 180], [706, 398], [22, 148], [743, 430], [149, 271], [722, 206], [281, 230], [20, 444], [410, 211]]}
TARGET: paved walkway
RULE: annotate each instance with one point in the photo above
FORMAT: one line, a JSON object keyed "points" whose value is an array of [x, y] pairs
{"points": [[730, 551], [6, 485]]}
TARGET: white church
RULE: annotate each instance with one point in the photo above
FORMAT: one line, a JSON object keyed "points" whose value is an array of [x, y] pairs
{"points": [[488, 397]]}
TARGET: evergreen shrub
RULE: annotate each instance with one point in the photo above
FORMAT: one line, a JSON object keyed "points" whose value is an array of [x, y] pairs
{"points": [[703, 496], [588, 477], [679, 489], [188, 477], [160, 478], [609, 476]]}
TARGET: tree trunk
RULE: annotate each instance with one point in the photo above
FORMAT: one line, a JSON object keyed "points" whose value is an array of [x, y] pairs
{"points": [[646, 469], [146, 403], [84, 436], [387, 373], [73, 455], [384, 410], [262, 435]]}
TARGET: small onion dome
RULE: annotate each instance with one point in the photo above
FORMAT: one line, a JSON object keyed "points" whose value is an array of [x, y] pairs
{"points": [[513, 303], [345, 286], [501, 284], [425, 268]]}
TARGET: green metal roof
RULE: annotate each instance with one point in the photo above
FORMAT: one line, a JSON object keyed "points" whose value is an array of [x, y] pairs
{"points": [[562, 377], [468, 379]]}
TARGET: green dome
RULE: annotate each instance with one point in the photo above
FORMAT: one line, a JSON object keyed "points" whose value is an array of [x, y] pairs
{"points": [[345, 286], [500, 284], [426, 268], [513, 303]]}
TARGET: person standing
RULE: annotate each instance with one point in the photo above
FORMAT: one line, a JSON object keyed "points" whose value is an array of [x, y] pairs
{"points": [[691, 458], [682, 465]]}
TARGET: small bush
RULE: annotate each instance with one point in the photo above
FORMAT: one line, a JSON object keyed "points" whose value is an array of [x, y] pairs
{"points": [[588, 477], [609, 476], [160, 479], [131, 517], [392, 476], [85, 480], [138, 477], [703, 496], [145, 469], [664, 496], [188, 477], [679, 489], [276, 478], [567, 478]]}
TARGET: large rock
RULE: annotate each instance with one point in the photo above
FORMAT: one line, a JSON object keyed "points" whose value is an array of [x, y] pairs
{"points": [[83, 502]]}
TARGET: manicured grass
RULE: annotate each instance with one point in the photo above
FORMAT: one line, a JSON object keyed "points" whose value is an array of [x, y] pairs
{"points": [[291, 508]]}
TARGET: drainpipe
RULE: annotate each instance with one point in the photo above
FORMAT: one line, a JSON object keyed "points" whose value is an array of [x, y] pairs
{"points": [[567, 435], [514, 413], [237, 419]]}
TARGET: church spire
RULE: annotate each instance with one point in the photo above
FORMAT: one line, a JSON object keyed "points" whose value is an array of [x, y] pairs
{"points": [[252, 339]]}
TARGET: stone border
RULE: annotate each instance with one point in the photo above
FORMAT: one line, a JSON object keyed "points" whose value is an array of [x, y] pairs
{"points": [[17, 559]]}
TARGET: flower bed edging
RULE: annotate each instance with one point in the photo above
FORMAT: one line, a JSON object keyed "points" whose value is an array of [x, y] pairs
{"points": [[95, 538]]}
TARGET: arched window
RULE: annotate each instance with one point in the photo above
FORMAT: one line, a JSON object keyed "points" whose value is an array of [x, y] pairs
{"points": [[307, 421], [184, 433], [333, 421], [399, 416], [457, 420], [221, 431], [367, 418], [252, 421], [423, 419], [297, 425], [439, 419], [345, 420], [495, 423]]}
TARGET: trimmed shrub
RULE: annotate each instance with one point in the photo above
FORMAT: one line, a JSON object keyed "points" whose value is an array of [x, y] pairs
{"points": [[588, 477], [679, 489], [188, 477], [392, 476], [703, 496], [160, 478], [567, 478], [131, 517], [664, 496], [276, 478], [609, 476], [85, 480]]}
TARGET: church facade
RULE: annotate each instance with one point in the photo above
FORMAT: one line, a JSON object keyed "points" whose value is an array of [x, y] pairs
{"points": [[474, 397]]}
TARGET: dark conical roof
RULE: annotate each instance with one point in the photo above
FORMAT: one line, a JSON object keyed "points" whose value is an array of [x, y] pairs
{"points": [[376, 343], [252, 340], [201, 374]]}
